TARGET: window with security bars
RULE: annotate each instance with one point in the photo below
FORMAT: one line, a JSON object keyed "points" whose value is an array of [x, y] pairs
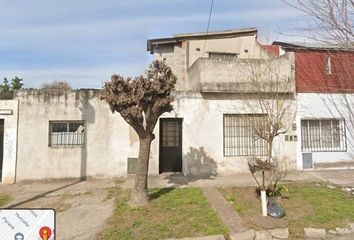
{"points": [[323, 135], [171, 132], [66, 133], [240, 138]]}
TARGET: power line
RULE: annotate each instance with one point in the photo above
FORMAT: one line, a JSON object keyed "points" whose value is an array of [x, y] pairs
{"points": [[207, 31]]}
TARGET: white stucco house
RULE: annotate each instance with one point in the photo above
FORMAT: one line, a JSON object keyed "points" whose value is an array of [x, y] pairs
{"points": [[73, 134], [325, 99]]}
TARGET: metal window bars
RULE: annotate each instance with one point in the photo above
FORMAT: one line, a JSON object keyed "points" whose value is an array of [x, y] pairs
{"points": [[323, 135], [66, 133], [240, 138]]}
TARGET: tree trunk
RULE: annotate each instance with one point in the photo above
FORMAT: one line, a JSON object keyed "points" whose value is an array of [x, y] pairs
{"points": [[140, 191], [270, 150]]}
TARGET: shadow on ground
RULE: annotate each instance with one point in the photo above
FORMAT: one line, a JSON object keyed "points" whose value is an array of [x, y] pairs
{"points": [[159, 193], [41, 195], [197, 164]]}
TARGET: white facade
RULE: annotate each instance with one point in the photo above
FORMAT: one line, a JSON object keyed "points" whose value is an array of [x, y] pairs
{"points": [[203, 137], [110, 141], [327, 106], [9, 113]]}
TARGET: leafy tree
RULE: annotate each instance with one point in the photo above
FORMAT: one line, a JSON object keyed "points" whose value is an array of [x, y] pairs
{"points": [[17, 83], [141, 101], [7, 89]]}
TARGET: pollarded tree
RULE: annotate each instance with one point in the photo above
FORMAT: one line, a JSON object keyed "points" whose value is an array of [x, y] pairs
{"points": [[141, 101]]}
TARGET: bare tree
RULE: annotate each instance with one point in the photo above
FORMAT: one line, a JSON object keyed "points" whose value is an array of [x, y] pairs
{"points": [[272, 100], [141, 101], [331, 70], [328, 21], [63, 85]]}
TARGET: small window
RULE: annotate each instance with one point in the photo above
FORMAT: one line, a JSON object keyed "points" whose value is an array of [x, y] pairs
{"points": [[323, 135], [294, 126], [328, 66], [66, 133], [223, 56]]}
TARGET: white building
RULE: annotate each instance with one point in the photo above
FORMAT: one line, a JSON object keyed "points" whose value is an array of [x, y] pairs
{"points": [[325, 95], [71, 134]]}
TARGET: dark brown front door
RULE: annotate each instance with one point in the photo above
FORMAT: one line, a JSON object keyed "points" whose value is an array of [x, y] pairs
{"points": [[170, 145], [1, 146]]}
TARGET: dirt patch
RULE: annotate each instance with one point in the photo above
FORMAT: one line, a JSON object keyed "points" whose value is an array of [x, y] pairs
{"points": [[82, 207], [306, 205], [246, 202]]}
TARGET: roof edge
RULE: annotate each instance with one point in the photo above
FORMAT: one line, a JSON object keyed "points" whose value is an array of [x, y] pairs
{"points": [[201, 35], [298, 46]]}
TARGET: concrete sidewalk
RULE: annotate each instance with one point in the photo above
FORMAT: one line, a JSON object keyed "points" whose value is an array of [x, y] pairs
{"points": [[224, 210], [337, 177], [82, 206]]}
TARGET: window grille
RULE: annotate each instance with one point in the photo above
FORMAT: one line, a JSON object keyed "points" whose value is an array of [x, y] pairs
{"points": [[170, 137], [240, 138], [323, 135], [66, 133]]}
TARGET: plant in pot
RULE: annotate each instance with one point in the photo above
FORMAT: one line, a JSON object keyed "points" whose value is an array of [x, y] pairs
{"points": [[268, 188]]}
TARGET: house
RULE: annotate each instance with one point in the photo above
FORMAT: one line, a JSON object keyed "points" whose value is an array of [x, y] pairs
{"points": [[222, 78], [325, 97]]}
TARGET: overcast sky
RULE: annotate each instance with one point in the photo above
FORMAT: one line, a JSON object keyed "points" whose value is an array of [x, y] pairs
{"points": [[85, 41]]}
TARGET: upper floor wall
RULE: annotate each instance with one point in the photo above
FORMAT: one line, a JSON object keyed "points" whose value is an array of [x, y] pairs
{"points": [[322, 69], [274, 75], [223, 57]]}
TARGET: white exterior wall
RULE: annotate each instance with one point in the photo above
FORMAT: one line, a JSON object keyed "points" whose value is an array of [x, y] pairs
{"points": [[109, 141], [202, 138], [9, 112], [321, 105]]}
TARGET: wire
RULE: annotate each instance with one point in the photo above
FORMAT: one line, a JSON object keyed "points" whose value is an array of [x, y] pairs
{"points": [[207, 31]]}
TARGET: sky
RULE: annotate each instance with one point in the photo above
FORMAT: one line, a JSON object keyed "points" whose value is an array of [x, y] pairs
{"points": [[84, 42]]}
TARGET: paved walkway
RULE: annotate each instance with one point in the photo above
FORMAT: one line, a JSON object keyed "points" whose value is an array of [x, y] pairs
{"points": [[338, 177], [82, 206], [225, 212]]}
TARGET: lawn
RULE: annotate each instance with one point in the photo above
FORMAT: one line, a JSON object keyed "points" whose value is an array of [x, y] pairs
{"points": [[306, 205], [4, 199], [171, 213]]}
